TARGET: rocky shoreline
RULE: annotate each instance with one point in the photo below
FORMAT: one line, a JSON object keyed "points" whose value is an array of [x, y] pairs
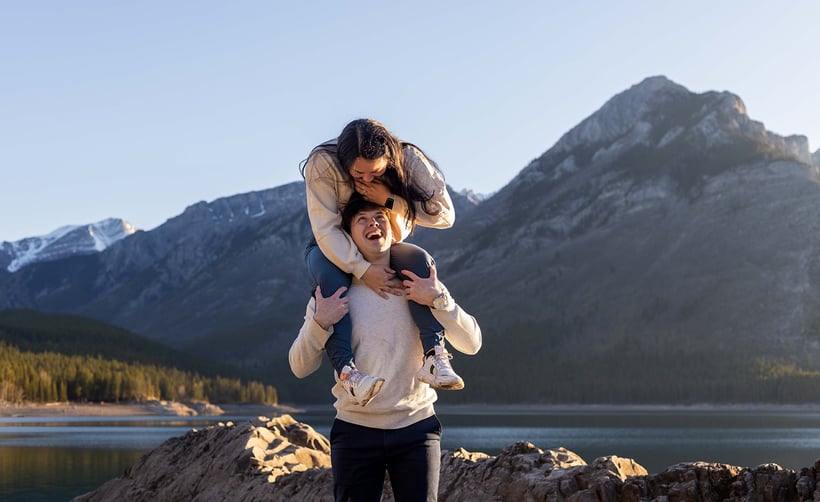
{"points": [[282, 459]]}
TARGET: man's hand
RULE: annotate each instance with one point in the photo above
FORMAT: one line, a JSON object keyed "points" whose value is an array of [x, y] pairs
{"points": [[374, 191], [382, 280], [420, 290], [330, 310]]}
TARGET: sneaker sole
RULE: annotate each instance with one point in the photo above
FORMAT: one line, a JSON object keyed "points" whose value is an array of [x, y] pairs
{"points": [[422, 376], [377, 387], [452, 386]]}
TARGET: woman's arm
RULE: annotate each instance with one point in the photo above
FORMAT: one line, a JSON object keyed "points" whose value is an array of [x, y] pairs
{"points": [[430, 181], [322, 185]]}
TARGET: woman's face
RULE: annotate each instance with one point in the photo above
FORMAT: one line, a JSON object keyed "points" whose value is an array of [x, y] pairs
{"points": [[366, 170]]}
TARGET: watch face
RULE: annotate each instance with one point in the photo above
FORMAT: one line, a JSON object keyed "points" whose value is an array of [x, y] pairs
{"points": [[440, 301]]}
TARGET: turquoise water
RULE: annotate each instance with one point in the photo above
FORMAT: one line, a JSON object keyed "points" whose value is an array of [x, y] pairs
{"points": [[57, 458]]}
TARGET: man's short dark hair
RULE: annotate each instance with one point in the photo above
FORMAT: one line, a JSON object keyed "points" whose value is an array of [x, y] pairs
{"points": [[354, 206]]}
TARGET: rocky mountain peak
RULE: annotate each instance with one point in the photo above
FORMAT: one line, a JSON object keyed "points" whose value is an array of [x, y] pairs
{"points": [[724, 120], [622, 113], [660, 115]]}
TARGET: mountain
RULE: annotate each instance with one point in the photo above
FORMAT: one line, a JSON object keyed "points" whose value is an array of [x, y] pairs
{"points": [[211, 269], [66, 241], [663, 250], [666, 247], [214, 280]]}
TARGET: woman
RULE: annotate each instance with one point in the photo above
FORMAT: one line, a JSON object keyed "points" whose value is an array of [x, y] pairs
{"points": [[368, 159]]}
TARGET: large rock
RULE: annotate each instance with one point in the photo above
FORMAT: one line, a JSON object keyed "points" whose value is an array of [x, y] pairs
{"points": [[249, 461], [282, 459]]}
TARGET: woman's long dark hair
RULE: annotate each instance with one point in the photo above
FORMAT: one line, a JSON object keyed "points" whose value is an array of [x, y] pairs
{"points": [[369, 139]]}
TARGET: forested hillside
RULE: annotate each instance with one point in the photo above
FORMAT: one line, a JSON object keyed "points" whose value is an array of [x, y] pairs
{"points": [[45, 358], [30, 330]]}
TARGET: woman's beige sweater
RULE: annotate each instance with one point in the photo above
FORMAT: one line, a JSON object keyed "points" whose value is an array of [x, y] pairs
{"points": [[328, 190]]}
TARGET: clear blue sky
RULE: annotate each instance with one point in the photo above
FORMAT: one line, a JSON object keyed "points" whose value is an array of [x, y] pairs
{"points": [[139, 109]]}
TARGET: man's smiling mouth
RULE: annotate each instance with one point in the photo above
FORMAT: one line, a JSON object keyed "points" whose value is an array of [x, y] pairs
{"points": [[373, 235]]}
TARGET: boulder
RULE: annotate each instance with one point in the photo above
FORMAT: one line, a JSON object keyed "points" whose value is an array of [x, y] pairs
{"points": [[282, 459], [255, 460]]}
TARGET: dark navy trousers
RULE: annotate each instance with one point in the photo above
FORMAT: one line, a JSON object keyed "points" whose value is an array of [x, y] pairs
{"points": [[411, 456], [403, 256]]}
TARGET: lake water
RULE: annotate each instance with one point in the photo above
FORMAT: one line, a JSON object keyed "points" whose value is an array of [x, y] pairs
{"points": [[57, 458]]}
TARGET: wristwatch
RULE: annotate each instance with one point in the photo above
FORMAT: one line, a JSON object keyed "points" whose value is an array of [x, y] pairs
{"points": [[390, 201], [442, 301]]}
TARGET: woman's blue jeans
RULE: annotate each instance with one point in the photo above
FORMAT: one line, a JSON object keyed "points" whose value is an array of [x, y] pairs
{"points": [[403, 256]]}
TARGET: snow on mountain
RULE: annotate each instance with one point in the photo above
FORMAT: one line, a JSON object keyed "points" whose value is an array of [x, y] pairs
{"points": [[66, 241]]}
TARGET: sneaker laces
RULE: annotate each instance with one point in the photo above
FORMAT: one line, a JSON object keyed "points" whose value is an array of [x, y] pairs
{"points": [[441, 360], [355, 377]]}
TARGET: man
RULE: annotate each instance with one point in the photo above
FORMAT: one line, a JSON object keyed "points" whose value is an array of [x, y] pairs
{"points": [[398, 432]]}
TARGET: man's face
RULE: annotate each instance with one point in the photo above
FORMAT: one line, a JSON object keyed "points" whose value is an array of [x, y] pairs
{"points": [[367, 170], [370, 230]]}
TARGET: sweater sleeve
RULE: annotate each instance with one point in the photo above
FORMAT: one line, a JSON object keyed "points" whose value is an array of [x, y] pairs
{"points": [[306, 352], [460, 328], [322, 180], [430, 181]]}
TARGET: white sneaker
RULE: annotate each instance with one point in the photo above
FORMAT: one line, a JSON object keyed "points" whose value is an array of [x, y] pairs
{"points": [[361, 387], [437, 371]]}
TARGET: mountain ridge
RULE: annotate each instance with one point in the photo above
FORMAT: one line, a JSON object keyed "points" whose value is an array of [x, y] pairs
{"points": [[637, 242], [665, 215]]}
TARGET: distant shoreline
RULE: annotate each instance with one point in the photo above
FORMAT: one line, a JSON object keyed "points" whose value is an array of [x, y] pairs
{"points": [[150, 408], [169, 408]]}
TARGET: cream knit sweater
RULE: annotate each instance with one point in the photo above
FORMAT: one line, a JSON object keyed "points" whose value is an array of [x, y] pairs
{"points": [[386, 344]]}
